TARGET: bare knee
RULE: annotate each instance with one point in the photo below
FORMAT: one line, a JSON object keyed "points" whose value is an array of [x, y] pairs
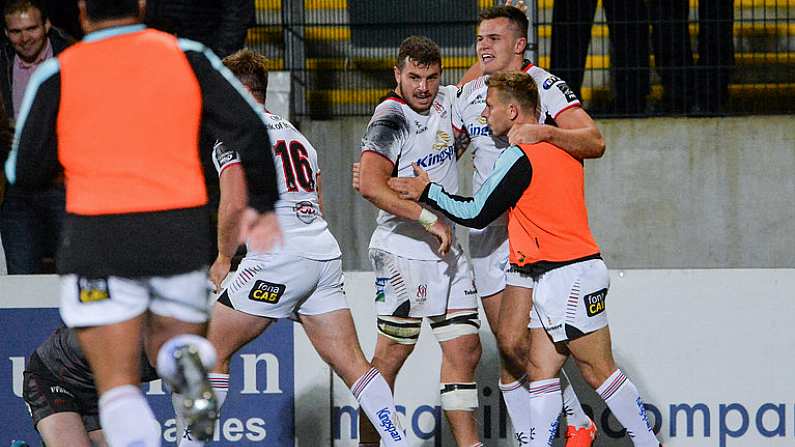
{"points": [[513, 347]]}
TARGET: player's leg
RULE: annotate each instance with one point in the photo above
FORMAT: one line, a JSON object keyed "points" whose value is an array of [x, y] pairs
{"points": [[176, 345], [546, 360], [54, 410], [594, 357], [63, 430], [97, 438], [334, 337], [457, 333], [108, 314]]}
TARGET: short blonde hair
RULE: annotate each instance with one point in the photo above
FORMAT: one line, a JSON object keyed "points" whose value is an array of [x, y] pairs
{"points": [[518, 86]]}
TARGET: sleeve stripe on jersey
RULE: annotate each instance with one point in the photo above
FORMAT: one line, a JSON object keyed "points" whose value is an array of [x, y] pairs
{"points": [[472, 209], [215, 62], [570, 106], [379, 154], [46, 70]]}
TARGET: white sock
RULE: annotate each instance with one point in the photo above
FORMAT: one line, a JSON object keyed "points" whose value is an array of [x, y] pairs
{"points": [[623, 399], [167, 366], [127, 419], [376, 400], [545, 407], [220, 384], [518, 404], [575, 415]]}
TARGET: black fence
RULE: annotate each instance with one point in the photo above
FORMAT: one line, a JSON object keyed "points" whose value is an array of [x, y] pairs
{"points": [[623, 58]]}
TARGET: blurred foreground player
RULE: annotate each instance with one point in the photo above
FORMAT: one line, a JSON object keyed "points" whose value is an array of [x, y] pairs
{"points": [[555, 261], [301, 279], [59, 390], [136, 239]]}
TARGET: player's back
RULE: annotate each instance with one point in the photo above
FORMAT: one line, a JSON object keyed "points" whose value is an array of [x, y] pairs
{"points": [[306, 232]]}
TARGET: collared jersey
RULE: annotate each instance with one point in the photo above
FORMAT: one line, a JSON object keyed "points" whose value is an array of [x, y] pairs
{"points": [[403, 136], [555, 96], [306, 232], [543, 189]]}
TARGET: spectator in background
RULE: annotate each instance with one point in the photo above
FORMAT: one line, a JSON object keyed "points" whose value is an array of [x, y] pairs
{"points": [[218, 24], [689, 86], [627, 22], [30, 221]]}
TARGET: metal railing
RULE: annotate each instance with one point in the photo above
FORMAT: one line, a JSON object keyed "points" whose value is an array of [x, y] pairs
{"points": [[623, 58]]}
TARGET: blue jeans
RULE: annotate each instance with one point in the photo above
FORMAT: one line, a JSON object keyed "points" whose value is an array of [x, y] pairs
{"points": [[30, 225]]}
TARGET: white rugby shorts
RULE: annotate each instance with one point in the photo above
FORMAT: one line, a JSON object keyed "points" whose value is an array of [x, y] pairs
{"points": [[103, 301], [489, 251], [284, 286], [419, 288], [568, 301]]}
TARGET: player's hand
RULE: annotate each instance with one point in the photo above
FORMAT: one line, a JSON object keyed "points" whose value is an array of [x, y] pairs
{"points": [[411, 188], [520, 5], [527, 133], [444, 234], [219, 270], [355, 175], [262, 231]]}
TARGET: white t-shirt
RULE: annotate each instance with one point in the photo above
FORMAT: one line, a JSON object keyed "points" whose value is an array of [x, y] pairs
{"points": [[554, 94], [305, 231], [403, 136]]}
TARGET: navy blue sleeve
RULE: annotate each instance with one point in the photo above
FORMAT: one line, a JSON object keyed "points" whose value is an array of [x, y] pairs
{"points": [[33, 161], [500, 191]]}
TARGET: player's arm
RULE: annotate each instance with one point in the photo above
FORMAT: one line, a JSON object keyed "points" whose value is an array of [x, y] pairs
{"points": [[231, 205], [230, 114], [501, 190], [576, 133], [33, 161], [574, 130], [380, 151], [461, 141]]}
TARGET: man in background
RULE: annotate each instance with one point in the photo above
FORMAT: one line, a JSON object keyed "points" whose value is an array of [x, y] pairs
{"points": [[30, 221]]}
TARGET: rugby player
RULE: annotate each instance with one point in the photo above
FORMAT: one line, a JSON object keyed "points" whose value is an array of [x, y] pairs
{"points": [[420, 269], [554, 259], [133, 252], [302, 279], [58, 388], [501, 44]]}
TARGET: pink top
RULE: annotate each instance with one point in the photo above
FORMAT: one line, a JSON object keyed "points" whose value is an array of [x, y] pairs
{"points": [[22, 73]]}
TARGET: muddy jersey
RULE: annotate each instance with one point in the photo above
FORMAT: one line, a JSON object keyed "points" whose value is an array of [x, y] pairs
{"points": [[61, 354], [403, 136], [555, 96], [305, 231]]}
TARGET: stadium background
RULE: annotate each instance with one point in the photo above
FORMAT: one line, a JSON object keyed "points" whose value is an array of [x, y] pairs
{"points": [[694, 214]]}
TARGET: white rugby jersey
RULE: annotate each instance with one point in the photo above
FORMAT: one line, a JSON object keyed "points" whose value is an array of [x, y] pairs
{"points": [[403, 136], [305, 231], [555, 96]]}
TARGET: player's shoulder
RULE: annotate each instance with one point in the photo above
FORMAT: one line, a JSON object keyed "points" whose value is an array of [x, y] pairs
{"points": [[472, 87]]}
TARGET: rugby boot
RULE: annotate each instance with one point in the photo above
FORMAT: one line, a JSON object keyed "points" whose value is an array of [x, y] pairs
{"points": [[581, 436], [199, 405]]}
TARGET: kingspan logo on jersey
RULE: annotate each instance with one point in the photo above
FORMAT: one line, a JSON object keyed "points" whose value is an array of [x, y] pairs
{"points": [[384, 416], [479, 129]]}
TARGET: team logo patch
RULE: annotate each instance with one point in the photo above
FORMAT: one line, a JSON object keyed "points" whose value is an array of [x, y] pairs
{"points": [[442, 140], [92, 290], [550, 81], [305, 212], [266, 292], [595, 302], [566, 90]]}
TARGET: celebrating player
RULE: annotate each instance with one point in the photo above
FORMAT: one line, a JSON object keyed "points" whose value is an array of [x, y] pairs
{"points": [[554, 260], [420, 268], [501, 44], [301, 279]]}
